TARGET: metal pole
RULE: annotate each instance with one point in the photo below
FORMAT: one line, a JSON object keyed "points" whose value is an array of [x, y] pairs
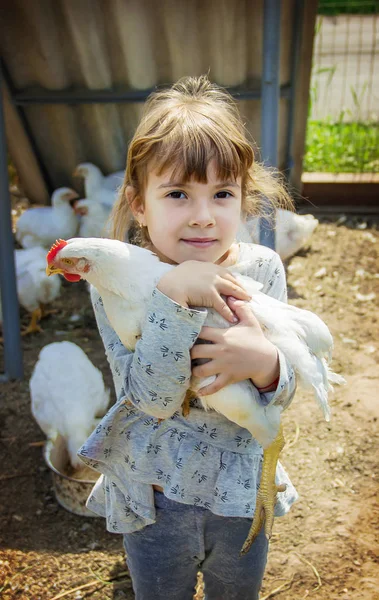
{"points": [[31, 97], [270, 101], [295, 55], [11, 319]]}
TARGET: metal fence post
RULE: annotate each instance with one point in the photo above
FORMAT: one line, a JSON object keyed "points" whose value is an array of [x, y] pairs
{"points": [[270, 102], [13, 368]]}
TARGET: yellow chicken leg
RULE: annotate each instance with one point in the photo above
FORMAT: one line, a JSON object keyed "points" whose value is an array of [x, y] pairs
{"points": [[186, 402], [266, 497], [33, 326]]}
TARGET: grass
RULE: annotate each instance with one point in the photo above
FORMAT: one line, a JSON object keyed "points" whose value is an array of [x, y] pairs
{"points": [[338, 7], [347, 142], [337, 147]]}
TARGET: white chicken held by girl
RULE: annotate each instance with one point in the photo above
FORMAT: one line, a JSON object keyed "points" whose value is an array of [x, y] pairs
{"points": [[67, 393], [125, 276]]}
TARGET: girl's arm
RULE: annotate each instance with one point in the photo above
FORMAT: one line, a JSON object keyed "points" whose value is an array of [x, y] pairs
{"points": [[155, 376]]}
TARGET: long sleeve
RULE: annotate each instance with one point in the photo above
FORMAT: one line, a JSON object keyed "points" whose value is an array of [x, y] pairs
{"points": [[155, 376], [269, 270]]}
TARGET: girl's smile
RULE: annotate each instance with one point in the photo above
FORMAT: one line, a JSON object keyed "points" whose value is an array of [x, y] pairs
{"points": [[200, 242]]}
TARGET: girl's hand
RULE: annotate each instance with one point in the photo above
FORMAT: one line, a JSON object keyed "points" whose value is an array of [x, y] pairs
{"points": [[238, 353], [196, 283]]}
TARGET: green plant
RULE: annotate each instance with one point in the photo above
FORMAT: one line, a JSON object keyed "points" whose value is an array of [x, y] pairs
{"points": [[348, 142], [352, 7], [337, 147]]}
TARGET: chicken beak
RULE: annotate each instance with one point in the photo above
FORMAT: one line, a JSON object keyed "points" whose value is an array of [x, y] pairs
{"points": [[51, 270]]}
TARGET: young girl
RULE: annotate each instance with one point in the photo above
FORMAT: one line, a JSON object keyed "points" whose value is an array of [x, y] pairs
{"points": [[182, 490]]}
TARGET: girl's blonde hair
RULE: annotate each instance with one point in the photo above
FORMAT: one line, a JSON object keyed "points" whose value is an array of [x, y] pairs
{"points": [[182, 129]]}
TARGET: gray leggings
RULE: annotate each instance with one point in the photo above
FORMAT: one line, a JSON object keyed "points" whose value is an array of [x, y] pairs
{"points": [[164, 558]]}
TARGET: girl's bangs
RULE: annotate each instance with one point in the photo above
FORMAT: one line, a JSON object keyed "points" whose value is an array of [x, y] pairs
{"points": [[187, 152]]}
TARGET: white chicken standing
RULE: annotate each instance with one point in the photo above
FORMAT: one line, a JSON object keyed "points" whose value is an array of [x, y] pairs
{"points": [[125, 276], [34, 289], [65, 401], [292, 231], [40, 226], [98, 187], [93, 218]]}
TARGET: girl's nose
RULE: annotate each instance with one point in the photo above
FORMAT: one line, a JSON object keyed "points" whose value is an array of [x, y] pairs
{"points": [[202, 217]]}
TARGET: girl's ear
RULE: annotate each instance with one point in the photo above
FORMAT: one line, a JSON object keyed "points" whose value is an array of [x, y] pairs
{"points": [[136, 204]]}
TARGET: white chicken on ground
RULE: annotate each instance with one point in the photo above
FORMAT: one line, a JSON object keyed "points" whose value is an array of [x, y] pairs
{"points": [[125, 276], [35, 290], [93, 218], [67, 394], [292, 231], [40, 226], [98, 187]]}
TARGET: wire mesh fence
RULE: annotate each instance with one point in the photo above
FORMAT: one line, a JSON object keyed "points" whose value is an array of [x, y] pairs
{"points": [[343, 120]]}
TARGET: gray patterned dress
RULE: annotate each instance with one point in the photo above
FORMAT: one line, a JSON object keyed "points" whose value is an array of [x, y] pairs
{"points": [[202, 460]]}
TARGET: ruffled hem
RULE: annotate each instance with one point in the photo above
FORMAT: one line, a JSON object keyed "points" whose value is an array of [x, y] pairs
{"points": [[108, 501], [190, 465]]}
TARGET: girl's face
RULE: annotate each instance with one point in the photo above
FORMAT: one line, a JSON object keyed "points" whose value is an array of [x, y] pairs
{"points": [[191, 221]]}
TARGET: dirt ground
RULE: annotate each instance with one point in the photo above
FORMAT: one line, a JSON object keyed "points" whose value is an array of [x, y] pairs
{"points": [[325, 548]]}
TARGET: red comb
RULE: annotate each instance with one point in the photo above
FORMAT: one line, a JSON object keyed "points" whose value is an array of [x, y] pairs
{"points": [[58, 245]]}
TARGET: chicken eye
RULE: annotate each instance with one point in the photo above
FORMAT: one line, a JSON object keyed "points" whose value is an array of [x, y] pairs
{"points": [[67, 261]]}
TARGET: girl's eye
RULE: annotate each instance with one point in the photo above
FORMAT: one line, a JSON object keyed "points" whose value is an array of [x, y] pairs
{"points": [[223, 194], [177, 195]]}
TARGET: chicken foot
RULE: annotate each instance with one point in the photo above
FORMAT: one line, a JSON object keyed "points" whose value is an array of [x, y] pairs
{"points": [[266, 497], [190, 395], [185, 404], [33, 326], [37, 315]]}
